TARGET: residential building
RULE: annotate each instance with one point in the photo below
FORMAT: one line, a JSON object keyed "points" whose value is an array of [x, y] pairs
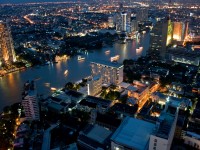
{"points": [[95, 85], [30, 101], [111, 72], [139, 92], [7, 53], [165, 129]]}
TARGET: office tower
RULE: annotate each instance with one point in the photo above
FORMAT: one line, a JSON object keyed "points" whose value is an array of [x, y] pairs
{"points": [[30, 101], [95, 85], [124, 21], [161, 36], [111, 73], [110, 22], [7, 54], [134, 25], [180, 30]]}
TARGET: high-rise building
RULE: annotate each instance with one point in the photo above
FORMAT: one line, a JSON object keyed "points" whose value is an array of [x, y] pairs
{"points": [[124, 22], [30, 101], [161, 36], [111, 73], [7, 54], [180, 30]]}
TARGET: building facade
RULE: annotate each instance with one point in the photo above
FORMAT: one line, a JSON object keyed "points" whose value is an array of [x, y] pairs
{"points": [[30, 101], [111, 73], [95, 85], [7, 54]]}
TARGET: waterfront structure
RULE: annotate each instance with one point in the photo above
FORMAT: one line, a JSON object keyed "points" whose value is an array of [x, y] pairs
{"points": [[111, 72], [95, 85], [7, 54], [30, 101], [161, 36]]}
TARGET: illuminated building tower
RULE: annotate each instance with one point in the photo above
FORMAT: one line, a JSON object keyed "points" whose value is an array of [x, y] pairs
{"points": [[30, 101], [7, 54], [180, 30], [124, 21], [161, 36]]}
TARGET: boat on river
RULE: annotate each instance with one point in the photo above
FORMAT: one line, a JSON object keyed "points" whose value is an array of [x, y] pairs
{"points": [[81, 58], [115, 58], [107, 52], [66, 72]]}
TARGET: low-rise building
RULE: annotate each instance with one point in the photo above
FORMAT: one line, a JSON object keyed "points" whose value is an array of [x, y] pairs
{"points": [[95, 85], [132, 134], [94, 137]]}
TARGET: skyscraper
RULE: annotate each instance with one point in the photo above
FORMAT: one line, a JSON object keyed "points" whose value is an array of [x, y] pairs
{"points": [[124, 21], [180, 30], [30, 101], [161, 36], [7, 54]]}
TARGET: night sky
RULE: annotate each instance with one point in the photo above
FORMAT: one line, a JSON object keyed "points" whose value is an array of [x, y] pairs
{"points": [[30, 1]]}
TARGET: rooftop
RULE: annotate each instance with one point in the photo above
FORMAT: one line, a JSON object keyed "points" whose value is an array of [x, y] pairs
{"points": [[131, 133], [107, 63]]}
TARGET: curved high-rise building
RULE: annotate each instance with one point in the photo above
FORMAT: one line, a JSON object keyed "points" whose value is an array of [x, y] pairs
{"points": [[7, 53]]}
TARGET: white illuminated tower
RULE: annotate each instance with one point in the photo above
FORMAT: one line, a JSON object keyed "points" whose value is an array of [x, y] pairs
{"points": [[124, 21]]}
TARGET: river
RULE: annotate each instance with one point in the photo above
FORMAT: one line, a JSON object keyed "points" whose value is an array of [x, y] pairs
{"points": [[53, 74]]}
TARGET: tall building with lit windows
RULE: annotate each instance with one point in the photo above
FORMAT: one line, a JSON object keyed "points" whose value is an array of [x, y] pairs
{"points": [[30, 101], [180, 30], [111, 73], [161, 36], [7, 54], [124, 21]]}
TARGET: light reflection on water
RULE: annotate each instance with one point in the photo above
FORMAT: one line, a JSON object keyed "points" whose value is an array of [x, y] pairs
{"points": [[53, 74]]}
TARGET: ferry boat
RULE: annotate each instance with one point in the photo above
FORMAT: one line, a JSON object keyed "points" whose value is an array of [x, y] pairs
{"points": [[115, 58], [107, 52], [66, 72], [53, 89], [81, 58]]}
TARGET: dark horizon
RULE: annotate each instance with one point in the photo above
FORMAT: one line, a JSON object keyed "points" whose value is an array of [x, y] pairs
{"points": [[30, 1]]}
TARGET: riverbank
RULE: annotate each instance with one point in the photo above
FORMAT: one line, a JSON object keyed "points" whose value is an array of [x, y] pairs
{"points": [[6, 72]]}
